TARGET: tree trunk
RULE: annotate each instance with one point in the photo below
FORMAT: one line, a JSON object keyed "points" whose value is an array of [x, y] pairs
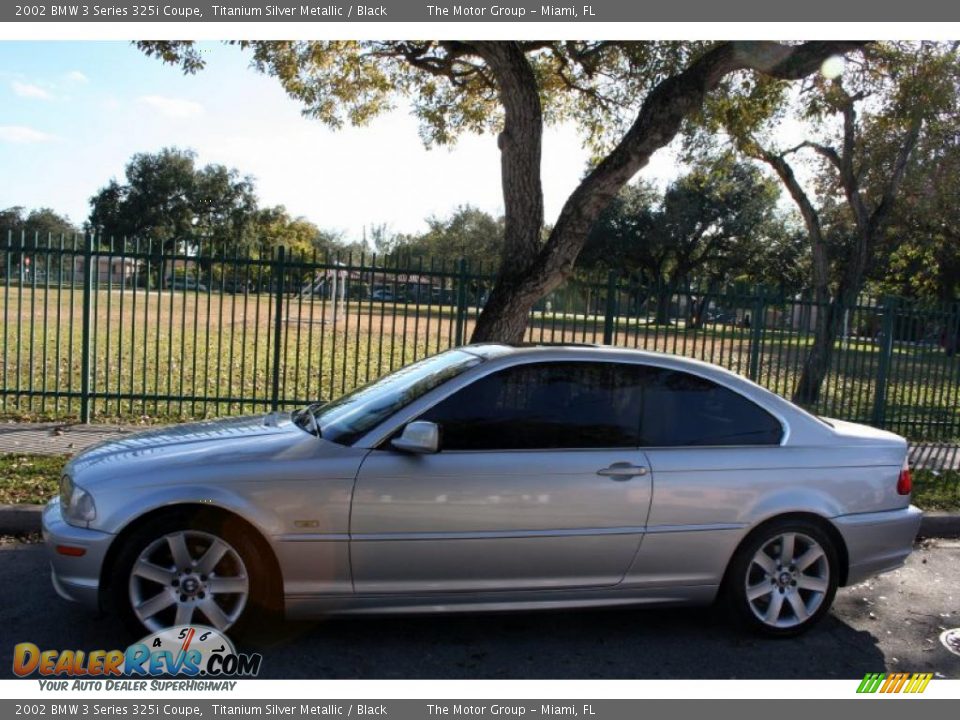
{"points": [[817, 364], [664, 296], [505, 315], [699, 311]]}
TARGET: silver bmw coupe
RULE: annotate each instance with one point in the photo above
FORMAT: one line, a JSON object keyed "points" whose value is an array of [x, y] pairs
{"points": [[490, 477]]}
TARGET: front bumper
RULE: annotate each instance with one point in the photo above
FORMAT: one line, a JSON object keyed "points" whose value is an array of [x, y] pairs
{"points": [[878, 542], [74, 578]]}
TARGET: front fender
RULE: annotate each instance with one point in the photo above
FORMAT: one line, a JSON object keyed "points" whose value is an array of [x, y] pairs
{"points": [[121, 515]]}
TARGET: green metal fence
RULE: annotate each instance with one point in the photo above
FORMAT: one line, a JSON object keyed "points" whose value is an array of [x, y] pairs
{"points": [[132, 330]]}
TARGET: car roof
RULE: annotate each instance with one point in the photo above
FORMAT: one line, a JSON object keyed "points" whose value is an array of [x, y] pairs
{"points": [[547, 349]]}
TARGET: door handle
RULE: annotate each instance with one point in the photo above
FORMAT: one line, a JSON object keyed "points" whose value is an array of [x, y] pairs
{"points": [[622, 471]]}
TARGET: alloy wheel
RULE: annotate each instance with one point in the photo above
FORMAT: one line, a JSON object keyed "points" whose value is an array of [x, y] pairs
{"points": [[188, 576], [787, 580]]}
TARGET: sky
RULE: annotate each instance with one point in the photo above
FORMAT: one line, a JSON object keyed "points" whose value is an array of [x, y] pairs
{"points": [[73, 113]]}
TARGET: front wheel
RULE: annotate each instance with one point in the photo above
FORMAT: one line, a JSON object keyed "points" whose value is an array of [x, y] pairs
{"points": [[783, 578], [185, 570]]}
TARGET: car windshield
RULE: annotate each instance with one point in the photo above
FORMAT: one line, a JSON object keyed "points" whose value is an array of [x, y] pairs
{"points": [[348, 418]]}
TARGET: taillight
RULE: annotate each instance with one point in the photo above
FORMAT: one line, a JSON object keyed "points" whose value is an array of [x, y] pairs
{"points": [[904, 482]]}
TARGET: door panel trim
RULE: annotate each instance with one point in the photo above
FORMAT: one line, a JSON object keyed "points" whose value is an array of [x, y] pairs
{"points": [[653, 529], [498, 534]]}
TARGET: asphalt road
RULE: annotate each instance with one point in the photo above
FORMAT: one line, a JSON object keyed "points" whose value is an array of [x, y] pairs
{"points": [[891, 623]]}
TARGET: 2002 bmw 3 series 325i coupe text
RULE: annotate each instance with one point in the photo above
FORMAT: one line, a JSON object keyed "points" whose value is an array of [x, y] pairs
{"points": [[490, 478]]}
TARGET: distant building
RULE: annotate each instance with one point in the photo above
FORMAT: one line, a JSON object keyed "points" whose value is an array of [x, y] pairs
{"points": [[108, 270]]}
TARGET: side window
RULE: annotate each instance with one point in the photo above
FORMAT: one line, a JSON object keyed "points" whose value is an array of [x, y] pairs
{"points": [[543, 406], [680, 409]]}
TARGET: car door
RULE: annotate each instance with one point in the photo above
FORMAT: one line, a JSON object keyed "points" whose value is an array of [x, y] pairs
{"points": [[711, 450], [538, 484]]}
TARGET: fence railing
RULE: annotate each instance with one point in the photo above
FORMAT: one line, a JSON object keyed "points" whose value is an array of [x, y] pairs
{"points": [[141, 330]]}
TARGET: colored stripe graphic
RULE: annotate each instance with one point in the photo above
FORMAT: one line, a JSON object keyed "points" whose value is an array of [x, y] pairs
{"points": [[894, 683]]}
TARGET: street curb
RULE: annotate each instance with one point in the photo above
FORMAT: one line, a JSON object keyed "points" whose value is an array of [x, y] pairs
{"points": [[936, 524], [19, 519]]}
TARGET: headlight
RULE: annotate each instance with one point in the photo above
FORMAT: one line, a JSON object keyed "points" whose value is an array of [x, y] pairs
{"points": [[76, 504]]}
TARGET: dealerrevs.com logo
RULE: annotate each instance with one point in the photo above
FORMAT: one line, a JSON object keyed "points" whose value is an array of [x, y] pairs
{"points": [[191, 651]]}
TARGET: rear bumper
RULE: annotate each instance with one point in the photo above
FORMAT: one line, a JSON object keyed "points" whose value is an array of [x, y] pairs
{"points": [[74, 578], [878, 542]]}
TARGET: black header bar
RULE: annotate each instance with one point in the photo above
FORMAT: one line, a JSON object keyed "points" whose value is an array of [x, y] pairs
{"points": [[421, 11]]}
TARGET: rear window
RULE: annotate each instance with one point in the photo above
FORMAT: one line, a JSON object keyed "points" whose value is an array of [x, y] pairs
{"points": [[680, 410]]}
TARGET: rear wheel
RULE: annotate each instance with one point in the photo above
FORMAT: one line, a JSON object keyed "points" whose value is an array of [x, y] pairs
{"points": [[190, 568], [783, 578]]}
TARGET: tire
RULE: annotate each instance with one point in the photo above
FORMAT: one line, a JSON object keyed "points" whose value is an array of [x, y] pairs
{"points": [[190, 567], [770, 597]]}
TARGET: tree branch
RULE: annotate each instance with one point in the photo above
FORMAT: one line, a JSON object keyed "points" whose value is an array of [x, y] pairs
{"points": [[657, 123]]}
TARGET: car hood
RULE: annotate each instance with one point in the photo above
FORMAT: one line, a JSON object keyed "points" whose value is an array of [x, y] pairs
{"points": [[230, 440]]}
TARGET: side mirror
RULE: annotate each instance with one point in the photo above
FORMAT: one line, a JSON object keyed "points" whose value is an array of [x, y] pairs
{"points": [[419, 437]]}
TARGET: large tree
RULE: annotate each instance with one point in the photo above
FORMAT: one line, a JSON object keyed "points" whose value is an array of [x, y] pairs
{"points": [[862, 124], [631, 98], [924, 237], [167, 198], [30, 230], [41, 223]]}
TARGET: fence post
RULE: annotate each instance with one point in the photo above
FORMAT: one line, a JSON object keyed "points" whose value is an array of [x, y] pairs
{"points": [[461, 302], [85, 329], [611, 309], [883, 367], [277, 328], [756, 336]]}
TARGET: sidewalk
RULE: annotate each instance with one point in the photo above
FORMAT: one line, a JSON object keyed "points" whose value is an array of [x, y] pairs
{"points": [[62, 439], [56, 438]]}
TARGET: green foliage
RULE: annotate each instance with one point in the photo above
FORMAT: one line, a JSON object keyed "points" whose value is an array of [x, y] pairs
{"points": [[936, 490], [711, 222], [273, 227], [847, 132], [30, 479], [597, 84], [468, 233], [40, 223], [923, 242], [167, 198]]}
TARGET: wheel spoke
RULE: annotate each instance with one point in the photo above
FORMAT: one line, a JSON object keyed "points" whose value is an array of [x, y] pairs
{"points": [[158, 602], [773, 610], [808, 582], [179, 551], [809, 557], [184, 614], [786, 548], [154, 573], [211, 557], [765, 562], [799, 609], [227, 585], [758, 591], [214, 614]]}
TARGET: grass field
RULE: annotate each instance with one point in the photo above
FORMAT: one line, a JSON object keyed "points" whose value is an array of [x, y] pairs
{"points": [[166, 356], [35, 479]]}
